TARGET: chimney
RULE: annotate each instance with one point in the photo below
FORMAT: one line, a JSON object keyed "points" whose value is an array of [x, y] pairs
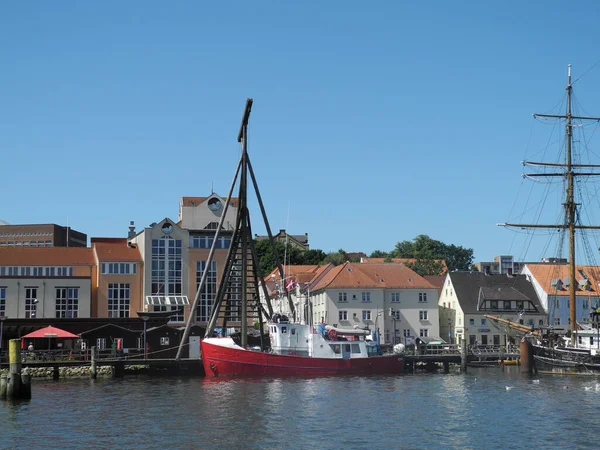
{"points": [[131, 233]]}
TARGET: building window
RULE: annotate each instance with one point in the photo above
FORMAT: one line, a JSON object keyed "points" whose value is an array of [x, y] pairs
{"points": [[422, 297], [101, 343], [494, 304], [395, 297], [30, 302], [209, 292], [406, 333], [164, 341], [541, 322], [424, 332], [118, 299], [342, 297], [67, 302], [119, 268], [472, 322], [2, 301], [423, 315], [506, 304], [207, 241], [366, 296], [586, 304], [343, 315], [366, 315], [167, 271], [557, 321], [483, 321]]}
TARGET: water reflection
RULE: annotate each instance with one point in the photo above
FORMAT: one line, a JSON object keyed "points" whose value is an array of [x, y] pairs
{"points": [[412, 411]]}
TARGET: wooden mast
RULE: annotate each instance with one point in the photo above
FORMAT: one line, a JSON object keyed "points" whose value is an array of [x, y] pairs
{"points": [[241, 280], [570, 205]]}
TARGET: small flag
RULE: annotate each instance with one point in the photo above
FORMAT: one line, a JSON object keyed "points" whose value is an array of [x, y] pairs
{"points": [[291, 284]]}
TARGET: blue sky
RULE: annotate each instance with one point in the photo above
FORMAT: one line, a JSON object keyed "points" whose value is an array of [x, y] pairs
{"points": [[372, 122]]}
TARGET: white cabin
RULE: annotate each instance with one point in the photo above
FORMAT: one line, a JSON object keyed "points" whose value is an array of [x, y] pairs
{"points": [[301, 340]]}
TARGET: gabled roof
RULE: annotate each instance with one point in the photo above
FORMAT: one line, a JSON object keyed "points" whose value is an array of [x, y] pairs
{"points": [[115, 249], [383, 276], [301, 273], [400, 261], [437, 281], [109, 325], [46, 256], [547, 276], [195, 201], [471, 287]]}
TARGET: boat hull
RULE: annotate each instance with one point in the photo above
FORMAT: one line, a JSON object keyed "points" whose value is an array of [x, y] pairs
{"points": [[565, 361], [221, 361]]}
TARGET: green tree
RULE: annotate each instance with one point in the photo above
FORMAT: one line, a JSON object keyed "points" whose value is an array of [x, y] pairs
{"points": [[314, 257], [337, 258], [266, 255], [379, 254], [426, 250]]}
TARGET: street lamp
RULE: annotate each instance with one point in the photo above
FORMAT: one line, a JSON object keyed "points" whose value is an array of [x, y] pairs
{"points": [[145, 319]]}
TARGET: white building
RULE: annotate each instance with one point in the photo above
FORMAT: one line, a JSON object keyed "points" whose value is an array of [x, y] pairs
{"points": [[467, 297], [387, 297]]}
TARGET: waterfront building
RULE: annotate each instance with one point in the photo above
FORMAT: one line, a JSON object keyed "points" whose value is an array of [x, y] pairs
{"points": [[175, 256], [468, 296], [47, 282], [390, 298], [40, 235], [298, 279], [120, 269], [551, 283]]}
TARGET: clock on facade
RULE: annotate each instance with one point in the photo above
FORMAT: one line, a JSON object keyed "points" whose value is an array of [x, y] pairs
{"points": [[167, 228], [214, 204]]}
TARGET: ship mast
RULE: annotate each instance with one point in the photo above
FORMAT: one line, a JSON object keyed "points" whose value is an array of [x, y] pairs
{"points": [[570, 205], [237, 298]]}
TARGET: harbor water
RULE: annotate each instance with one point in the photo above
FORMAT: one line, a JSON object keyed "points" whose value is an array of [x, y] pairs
{"points": [[485, 408]]}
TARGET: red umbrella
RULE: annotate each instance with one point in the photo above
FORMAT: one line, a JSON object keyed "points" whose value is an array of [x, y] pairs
{"points": [[50, 332]]}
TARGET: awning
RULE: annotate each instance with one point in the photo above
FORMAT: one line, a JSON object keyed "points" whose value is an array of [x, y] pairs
{"points": [[172, 300], [50, 332]]}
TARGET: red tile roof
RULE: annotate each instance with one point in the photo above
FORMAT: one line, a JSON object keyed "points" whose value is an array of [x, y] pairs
{"points": [[400, 261], [115, 249], [390, 276], [545, 273], [46, 256]]}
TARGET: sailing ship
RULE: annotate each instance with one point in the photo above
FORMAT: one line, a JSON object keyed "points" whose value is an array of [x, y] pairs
{"points": [[287, 346], [574, 350]]}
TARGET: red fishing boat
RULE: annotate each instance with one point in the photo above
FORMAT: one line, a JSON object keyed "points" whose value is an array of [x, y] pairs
{"points": [[298, 349]]}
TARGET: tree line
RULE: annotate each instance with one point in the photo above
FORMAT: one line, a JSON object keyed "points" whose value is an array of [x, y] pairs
{"points": [[426, 252]]}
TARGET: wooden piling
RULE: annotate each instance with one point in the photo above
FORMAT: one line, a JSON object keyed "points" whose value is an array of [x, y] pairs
{"points": [[13, 389], [93, 369], [463, 356], [446, 367], [3, 386], [55, 372], [119, 370], [526, 357], [25, 391]]}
